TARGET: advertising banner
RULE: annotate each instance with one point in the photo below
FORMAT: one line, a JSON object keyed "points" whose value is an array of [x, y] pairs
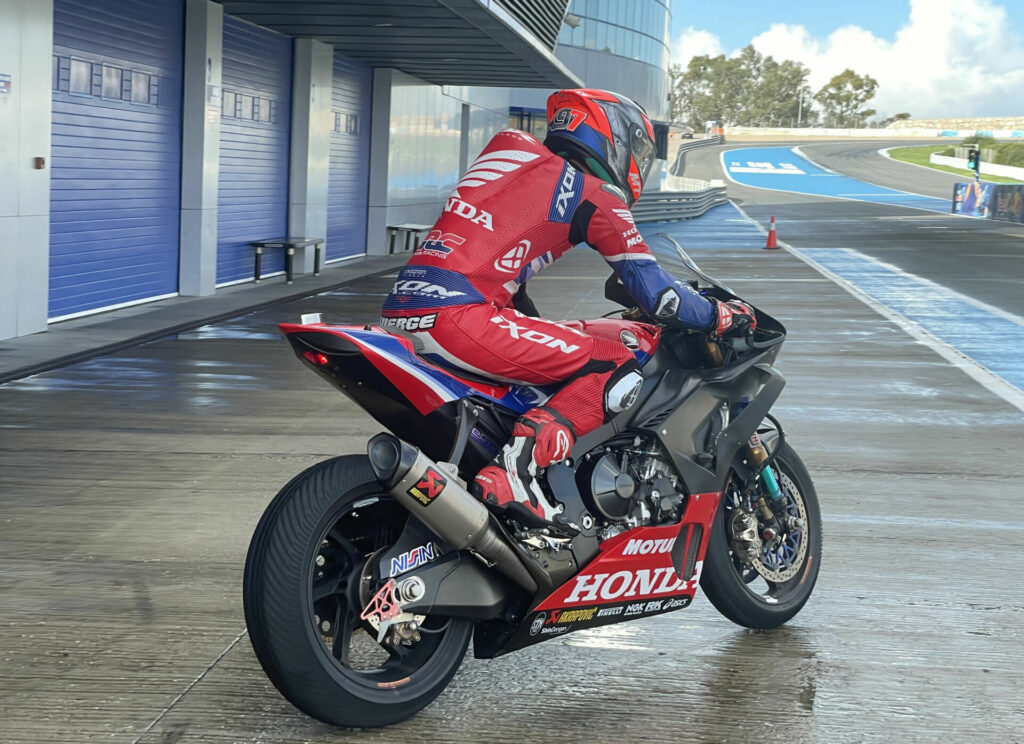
{"points": [[995, 201], [1008, 203], [972, 199]]}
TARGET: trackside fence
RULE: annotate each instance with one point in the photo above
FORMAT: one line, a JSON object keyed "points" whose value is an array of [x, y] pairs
{"points": [[681, 198]]}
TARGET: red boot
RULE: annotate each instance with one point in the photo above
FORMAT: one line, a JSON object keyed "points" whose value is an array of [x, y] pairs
{"points": [[540, 438]]}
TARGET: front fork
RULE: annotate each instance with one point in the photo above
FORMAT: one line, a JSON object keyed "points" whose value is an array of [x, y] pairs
{"points": [[757, 456]]}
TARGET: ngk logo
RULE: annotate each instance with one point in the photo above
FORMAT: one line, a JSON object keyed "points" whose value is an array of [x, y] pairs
{"points": [[639, 583], [530, 334]]}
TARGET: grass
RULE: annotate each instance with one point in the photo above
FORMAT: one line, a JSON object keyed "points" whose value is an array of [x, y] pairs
{"points": [[919, 156]]}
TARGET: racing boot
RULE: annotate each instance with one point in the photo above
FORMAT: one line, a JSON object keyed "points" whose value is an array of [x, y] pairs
{"points": [[540, 437]]}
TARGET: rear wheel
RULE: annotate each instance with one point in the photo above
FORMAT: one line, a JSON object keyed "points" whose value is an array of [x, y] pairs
{"points": [[761, 584], [305, 589]]}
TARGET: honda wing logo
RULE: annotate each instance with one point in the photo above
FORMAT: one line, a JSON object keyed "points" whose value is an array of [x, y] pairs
{"points": [[513, 258], [492, 166], [625, 215]]}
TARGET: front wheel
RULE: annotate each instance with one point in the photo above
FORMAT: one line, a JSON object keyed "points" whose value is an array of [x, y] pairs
{"points": [[304, 591], [761, 584]]}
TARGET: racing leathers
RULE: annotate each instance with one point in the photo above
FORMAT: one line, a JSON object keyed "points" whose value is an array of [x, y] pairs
{"points": [[517, 210]]}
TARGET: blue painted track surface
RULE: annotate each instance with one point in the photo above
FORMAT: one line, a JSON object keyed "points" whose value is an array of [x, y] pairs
{"points": [[784, 169], [992, 339]]}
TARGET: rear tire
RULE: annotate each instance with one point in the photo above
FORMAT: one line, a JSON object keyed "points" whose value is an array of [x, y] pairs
{"points": [[729, 584], [329, 518]]}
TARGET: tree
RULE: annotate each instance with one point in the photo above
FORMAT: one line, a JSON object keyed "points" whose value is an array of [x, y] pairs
{"points": [[749, 89], [903, 116], [843, 97]]}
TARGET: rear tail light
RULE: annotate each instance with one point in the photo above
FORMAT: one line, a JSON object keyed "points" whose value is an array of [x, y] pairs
{"points": [[316, 358]]}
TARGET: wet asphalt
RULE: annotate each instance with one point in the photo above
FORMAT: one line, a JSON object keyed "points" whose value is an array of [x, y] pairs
{"points": [[130, 485]]}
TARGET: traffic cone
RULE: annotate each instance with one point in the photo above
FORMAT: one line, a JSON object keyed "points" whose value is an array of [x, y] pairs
{"points": [[772, 241]]}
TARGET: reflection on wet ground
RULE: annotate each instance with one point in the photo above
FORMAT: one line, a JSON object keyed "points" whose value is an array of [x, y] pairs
{"points": [[130, 485]]}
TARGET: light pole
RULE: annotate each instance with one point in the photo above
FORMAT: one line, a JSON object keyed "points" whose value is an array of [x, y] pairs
{"points": [[800, 108]]}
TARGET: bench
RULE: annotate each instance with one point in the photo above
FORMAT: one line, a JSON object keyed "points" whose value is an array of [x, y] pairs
{"points": [[410, 231], [290, 245]]}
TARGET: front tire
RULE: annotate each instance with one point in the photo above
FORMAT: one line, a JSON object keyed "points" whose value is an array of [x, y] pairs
{"points": [[304, 591], [739, 589]]}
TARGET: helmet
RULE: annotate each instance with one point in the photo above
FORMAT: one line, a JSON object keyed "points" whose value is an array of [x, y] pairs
{"points": [[608, 133]]}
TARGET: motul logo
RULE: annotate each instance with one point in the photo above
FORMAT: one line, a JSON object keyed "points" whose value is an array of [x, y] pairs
{"points": [[641, 583], [646, 547], [513, 259], [530, 334], [469, 212]]}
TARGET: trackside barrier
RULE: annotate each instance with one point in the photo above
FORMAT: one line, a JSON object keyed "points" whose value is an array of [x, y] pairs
{"points": [[993, 201], [676, 169], [662, 206]]}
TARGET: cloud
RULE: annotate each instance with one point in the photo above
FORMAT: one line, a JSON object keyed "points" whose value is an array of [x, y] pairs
{"points": [[693, 42], [951, 58]]}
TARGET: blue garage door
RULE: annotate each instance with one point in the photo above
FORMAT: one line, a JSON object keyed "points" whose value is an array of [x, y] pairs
{"points": [[116, 160], [350, 157], [254, 142]]}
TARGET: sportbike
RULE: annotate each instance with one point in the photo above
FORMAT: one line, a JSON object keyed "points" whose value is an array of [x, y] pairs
{"points": [[369, 574]]}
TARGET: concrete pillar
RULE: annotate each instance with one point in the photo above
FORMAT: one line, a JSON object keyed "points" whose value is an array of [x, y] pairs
{"points": [[26, 108], [200, 147], [312, 83], [380, 145]]}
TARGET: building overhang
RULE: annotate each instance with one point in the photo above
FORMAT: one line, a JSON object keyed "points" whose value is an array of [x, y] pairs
{"points": [[445, 42]]}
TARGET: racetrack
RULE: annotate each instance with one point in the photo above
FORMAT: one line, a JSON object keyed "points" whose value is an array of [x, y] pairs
{"points": [[862, 160], [983, 259]]}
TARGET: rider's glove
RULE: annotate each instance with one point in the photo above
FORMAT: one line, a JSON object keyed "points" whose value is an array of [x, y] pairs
{"points": [[733, 318]]}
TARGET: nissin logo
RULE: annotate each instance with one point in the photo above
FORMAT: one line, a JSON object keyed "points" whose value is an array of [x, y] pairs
{"points": [[416, 557]]}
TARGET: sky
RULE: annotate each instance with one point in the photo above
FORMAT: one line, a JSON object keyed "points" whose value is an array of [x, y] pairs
{"points": [[931, 58]]}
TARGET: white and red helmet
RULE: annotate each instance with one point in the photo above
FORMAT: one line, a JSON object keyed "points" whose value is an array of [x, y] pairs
{"points": [[608, 133]]}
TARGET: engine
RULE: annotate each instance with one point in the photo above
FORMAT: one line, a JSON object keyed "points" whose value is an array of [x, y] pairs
{"points": [[629, 484]]}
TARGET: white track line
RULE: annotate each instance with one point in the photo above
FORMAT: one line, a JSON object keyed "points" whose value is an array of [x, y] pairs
{"points": [[979, 373], [842, 198]]}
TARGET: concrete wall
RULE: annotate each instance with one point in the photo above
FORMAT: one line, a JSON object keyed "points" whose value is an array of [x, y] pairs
{"points": [[26, 51], [892, 133], [989, 169]]}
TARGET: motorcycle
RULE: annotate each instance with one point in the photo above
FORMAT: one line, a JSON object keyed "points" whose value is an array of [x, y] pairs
{"points": [[368, 575]]}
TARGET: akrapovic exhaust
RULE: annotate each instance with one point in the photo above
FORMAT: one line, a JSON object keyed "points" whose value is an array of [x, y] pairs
{"points": [[441, 503]]}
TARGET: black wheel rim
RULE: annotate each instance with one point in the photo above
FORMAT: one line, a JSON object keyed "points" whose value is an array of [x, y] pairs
{"points": [[790, 554], [362, 526]]}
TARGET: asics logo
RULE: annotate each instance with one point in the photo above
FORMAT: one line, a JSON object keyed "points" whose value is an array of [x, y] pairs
{"points": [[493, 165], [513, 258], [565, 190], [530, 334]]}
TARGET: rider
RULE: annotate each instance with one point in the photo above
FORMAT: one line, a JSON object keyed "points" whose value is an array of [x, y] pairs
{"points": [[518, 208]]}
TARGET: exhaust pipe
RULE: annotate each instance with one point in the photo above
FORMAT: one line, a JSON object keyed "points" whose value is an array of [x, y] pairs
{"points": [[441, 503]]}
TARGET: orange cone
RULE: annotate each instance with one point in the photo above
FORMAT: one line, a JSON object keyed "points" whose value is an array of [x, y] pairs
{"points": [[772, 240]]}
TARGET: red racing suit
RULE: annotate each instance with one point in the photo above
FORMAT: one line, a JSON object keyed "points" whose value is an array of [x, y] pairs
{"points": [[517, 210]]}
